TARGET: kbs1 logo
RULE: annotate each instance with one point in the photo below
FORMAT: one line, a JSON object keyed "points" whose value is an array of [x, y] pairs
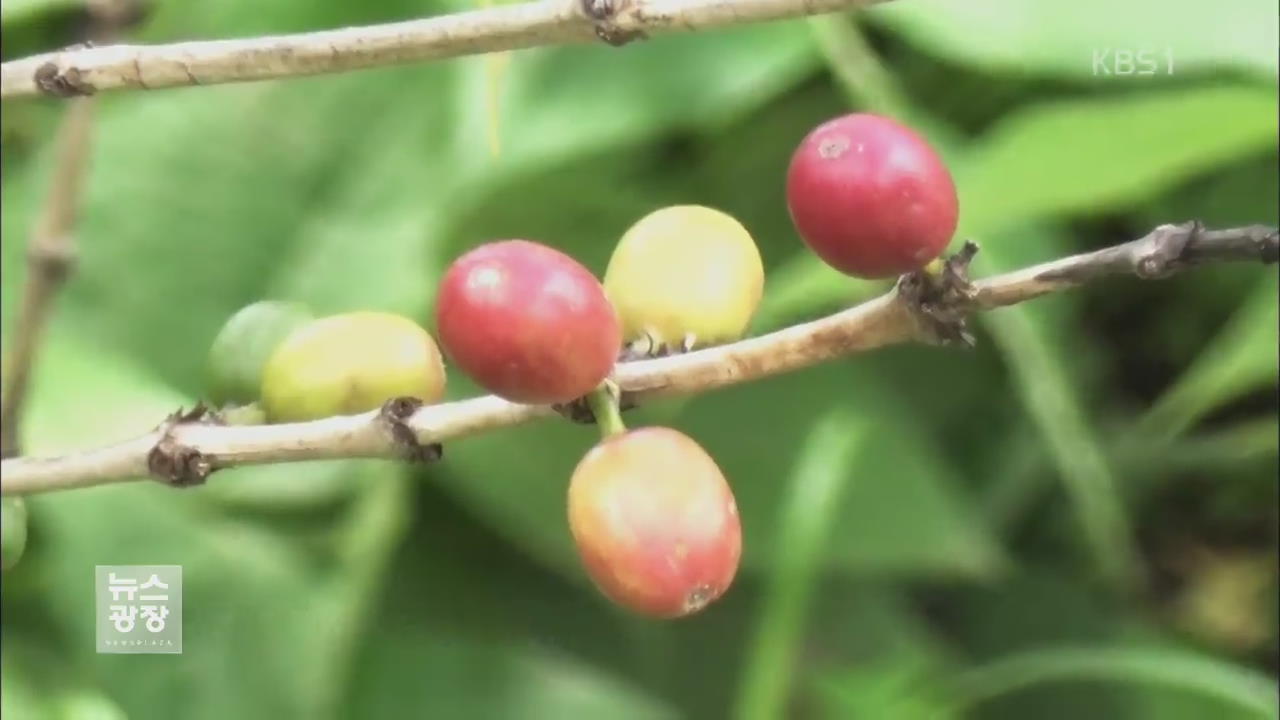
{"points": [[1128, 62], [139, 608]]}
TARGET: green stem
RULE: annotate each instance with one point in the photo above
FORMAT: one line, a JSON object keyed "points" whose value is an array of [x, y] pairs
{"points": [[604, 405]]}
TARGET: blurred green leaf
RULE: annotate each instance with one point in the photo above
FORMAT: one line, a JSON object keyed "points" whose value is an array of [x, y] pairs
{"points": [[1046, 161], [565, 102], [1184, 671], [1024, 475], [1061, 39], [1242, 358], [904, 488], [802, 287], [862, 75], [1033, 344], [457, 677], [808, 515], [17, 11], [1087, 156], [20, 698], [452, 639], [1241, 193], [901, 687]]}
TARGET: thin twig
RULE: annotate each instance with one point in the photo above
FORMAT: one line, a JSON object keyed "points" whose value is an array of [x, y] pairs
{"points": [[50, 257], [51, 253], [83, 71], [898, 316]]}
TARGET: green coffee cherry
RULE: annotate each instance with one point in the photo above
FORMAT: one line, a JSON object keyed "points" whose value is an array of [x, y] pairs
{"points": [[348, 364], [685, 275], [243, 345], [13, 531]]}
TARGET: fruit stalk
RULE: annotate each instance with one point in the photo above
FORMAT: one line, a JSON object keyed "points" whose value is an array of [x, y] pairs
{"points": [[604, 406]]}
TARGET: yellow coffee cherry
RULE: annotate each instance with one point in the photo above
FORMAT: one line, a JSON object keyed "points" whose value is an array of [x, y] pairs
{"points": [[685, 275], [348, 364]]}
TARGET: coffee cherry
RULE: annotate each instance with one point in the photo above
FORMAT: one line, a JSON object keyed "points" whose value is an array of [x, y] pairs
{"points": [[13, 531], [655, 522], [348, 364], [243, 345], [871, 197], [685, 275], [527, 322]]}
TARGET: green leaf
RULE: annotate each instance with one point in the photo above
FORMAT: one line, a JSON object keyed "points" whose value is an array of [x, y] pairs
{"points": [[807, 517], [1232, 685], [804, 286], [1033, 345], [1240, 359], [1064, 158], [901, 686], [564, 102], [1022, 475], [466, 627], [462, 677], [1054, 408], [905, 487], [19, 11], [1088, 156], [1062, 39]]}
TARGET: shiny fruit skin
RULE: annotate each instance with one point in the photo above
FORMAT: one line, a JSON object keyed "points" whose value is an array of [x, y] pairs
{"points": [[685, 271], [655, 522], [871, 197], [527, 322], [241, 349], [348, 364]]}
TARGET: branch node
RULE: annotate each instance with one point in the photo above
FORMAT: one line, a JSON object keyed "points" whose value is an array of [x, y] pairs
{"points": [[579, 411], [61, 83], [56, 258], [603, 14], [395, 414], [1164, 250], [175, 464], [941, 300]]}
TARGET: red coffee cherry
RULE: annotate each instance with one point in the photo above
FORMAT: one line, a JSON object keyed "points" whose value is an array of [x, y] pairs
{"points": [[871, 197], [527, 322], [655, 522]]}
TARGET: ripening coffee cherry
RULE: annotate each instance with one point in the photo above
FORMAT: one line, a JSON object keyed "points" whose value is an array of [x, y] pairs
{"points": [[13, 531], [685, 275], [350, 363], [655, 522], [243, 345], [527, 322], [871, 197]]}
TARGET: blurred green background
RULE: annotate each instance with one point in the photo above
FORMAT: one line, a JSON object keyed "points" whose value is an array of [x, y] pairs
{"points": [[1075, 519]]}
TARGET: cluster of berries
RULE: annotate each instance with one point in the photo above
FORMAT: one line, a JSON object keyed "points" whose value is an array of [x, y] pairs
{"points": [[651, 513]]}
